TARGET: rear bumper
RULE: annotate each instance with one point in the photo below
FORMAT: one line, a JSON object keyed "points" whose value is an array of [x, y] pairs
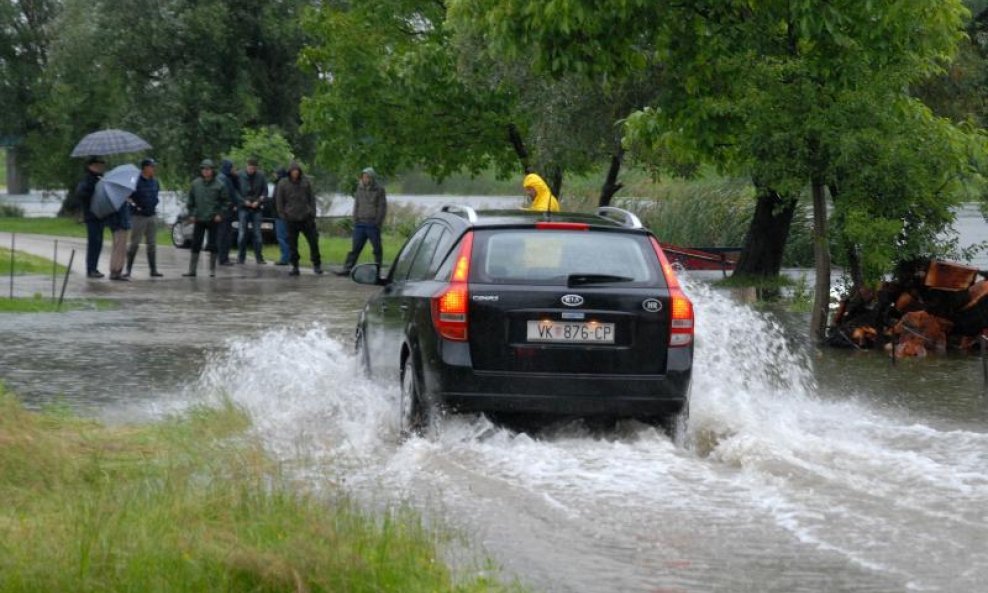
{"points": [[462, 389]]}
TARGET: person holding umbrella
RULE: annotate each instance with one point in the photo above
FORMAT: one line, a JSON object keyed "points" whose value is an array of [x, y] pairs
{"points": [[119, 225], [208, 202], [95, 167]]}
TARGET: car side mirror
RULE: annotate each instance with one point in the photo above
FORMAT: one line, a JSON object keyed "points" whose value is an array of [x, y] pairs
{"points": [[367, 274]]}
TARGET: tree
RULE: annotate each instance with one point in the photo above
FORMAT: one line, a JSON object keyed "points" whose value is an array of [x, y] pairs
{"points": [[757, 88], [400, 87], [186, 75], [26, 31], [388, 93]]}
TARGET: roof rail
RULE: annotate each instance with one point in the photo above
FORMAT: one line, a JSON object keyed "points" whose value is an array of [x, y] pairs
{"points": [[621, 215], [470, 213]]}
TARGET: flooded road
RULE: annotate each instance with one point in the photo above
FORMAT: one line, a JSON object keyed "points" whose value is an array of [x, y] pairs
{"points": [[801, 470]]}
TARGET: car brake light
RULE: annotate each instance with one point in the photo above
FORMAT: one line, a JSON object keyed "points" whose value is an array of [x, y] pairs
{"points": [[563, 226], [681, 308], [449, 305]]}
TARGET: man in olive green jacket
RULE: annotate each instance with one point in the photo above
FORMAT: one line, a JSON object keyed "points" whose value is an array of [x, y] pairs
{"points": [[208, 200]]}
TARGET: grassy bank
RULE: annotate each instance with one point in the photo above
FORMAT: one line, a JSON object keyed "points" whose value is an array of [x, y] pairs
{"points": [[42, 304], [190, 504], [26, 264]]}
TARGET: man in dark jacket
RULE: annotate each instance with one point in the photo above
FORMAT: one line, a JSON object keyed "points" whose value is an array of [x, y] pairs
{"points": [[296, 203], [254, 187], [224, 234], [370, 205], [95, 167], [143, 206], [208, 201]]}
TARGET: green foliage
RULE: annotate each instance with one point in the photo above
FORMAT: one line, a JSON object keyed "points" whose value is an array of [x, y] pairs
{"points": [[269, 146], [388, 94], [11, 211], [186, 76], [787, 93]]}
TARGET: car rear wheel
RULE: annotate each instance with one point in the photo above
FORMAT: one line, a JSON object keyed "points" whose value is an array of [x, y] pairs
{"points": [[178, 236], [417, 416]]}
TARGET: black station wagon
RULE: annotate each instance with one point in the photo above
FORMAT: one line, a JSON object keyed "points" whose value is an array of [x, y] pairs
{"points": [[518, 312]]}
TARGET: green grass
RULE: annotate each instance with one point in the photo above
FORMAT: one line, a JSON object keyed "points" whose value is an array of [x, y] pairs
{"points": [[26, 264], [190, 504], [59, 227], [42, 304]]}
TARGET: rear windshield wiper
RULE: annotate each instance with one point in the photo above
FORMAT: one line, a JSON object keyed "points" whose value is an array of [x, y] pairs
{"points": [[582, 279]]}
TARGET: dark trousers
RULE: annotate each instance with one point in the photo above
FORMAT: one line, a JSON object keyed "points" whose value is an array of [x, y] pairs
{"points": [[362, 232], [307, 228], [204, 229], [94, 243], [224, 237]]}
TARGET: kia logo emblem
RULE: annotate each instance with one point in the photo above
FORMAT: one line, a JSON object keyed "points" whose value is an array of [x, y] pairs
{"points": [[572, 300], [652, 305]]}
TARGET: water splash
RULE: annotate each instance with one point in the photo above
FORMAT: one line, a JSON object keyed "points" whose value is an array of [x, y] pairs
{"points": [[786, 472]]}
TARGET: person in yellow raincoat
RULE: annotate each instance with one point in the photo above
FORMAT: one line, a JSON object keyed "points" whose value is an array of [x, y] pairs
{"points": [[538, 191]]}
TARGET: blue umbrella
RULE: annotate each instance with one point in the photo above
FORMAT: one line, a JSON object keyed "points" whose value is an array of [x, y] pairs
{"points": [[113, 189]]}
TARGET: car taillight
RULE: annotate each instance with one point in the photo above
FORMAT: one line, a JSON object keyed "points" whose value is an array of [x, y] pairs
{"points": [[449, 305], [562, 226], [681, 308]]}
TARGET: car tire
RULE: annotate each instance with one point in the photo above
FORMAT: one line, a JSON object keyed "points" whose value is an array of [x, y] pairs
{"points": [[417, 416], [178, 236]]}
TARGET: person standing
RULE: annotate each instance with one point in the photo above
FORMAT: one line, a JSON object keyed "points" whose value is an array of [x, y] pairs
{"points": [[370, 205], [296, 203], [119, 225], [224, 241], [254, 186], [95, 167], [208, 201], [143, 206], [280, 226]]}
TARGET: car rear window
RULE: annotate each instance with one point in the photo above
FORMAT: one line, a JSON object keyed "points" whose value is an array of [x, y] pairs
{"points": [[551, 257]]}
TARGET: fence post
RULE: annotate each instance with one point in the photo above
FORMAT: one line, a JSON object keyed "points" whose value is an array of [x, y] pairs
{"points": [[13, 244], [68, 271], [54, 270]]}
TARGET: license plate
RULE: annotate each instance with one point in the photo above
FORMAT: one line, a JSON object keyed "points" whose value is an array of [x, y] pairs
{"points": [[570, 332], [267, 226]]}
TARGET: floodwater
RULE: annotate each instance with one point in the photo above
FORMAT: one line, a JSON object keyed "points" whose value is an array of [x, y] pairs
{"points": [[801, 470]]}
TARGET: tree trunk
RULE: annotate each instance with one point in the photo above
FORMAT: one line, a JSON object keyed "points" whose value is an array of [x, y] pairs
{"points": [[821, 257], [514, 136], [555, 180], [765, 241], [611, 184], [850, 250]]}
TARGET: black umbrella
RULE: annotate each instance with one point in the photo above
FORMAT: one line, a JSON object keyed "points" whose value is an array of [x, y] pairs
{"points": [[109, 142]]}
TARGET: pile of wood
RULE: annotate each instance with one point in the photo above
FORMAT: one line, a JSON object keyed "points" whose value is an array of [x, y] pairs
{"points": [[928, 306]]}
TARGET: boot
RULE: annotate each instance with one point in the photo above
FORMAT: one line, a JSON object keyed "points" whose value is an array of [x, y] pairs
{"points": [[317, 269], [193, 264], [152, 263], [212, 265], [377, 262], [351, 258], [131, 254], [294, 271]]}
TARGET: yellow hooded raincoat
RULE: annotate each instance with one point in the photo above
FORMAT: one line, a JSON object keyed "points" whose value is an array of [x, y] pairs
{"points": [[544, 201]]}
